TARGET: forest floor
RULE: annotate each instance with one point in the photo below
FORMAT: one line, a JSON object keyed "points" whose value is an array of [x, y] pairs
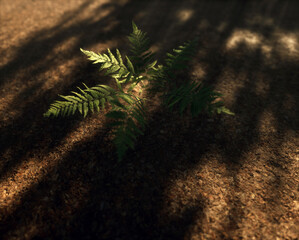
{"points": [[221, 177]]}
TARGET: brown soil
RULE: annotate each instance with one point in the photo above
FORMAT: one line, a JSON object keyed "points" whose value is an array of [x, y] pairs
{"points": [[226, 177]]}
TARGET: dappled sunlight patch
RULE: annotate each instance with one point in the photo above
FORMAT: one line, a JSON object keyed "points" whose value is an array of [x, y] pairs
{"points": [[290, 152], [28, 174], [65, 69], [185, 14], [105, 7], [289, 42], [71, 200], [23, 94], [266, 123], [33, 170], [62, 50], [60, 78], [233, 201], [269, 176], [239, 36], [49, 22], [286, 44], [216, 194], [198, 71], [57, 76], [266, 50], [217, 197], [204, 191], [5, 102], [50, 42], [224, 86], [251, 40]]}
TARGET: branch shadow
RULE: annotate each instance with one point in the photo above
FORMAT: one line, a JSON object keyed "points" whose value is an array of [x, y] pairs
{"points": [[25, 131], [116, 206]]}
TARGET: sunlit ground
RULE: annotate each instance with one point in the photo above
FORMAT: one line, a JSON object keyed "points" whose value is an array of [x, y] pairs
{"points": [[211, 187]]}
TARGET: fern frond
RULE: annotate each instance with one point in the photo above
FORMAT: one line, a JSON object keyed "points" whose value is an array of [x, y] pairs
{"points": [[127, 124], [162, 77], [90, 99], [141, 56], [180, 57], [197, 98], [113, 65], [221, 109], [128, 118]]}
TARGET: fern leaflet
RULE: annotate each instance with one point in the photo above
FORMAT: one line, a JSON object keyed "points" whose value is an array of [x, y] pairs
{"points": [[197, 98], [90, 99], [142, 57], [162, 77], [114, 66], [128, 123]]}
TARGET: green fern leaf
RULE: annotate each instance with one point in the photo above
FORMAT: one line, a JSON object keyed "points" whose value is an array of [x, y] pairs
{"points": [[130, 65], [199, 98], [128, 116], [162, 76], [128, 124], [80, 108], [85, 108], [112, 65], [180, 57], [120, 60], [88, 99], [141, 56], [117, 115], [96, 58], [225, 110], [127, 98], [112, 58]]}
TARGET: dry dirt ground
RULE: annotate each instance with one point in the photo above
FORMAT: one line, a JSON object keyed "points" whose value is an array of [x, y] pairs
{"points": [[222, 177]]}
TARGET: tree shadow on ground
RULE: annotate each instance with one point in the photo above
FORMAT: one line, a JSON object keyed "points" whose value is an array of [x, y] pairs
{"points": [[126, 199], [31, 66]]}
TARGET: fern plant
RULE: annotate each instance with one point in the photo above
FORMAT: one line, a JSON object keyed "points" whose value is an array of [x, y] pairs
{"points": [[127, 110]]}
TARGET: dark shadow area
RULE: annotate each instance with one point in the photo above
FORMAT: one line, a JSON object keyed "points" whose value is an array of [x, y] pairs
{"points": [[32, 57], [125, 200]]}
